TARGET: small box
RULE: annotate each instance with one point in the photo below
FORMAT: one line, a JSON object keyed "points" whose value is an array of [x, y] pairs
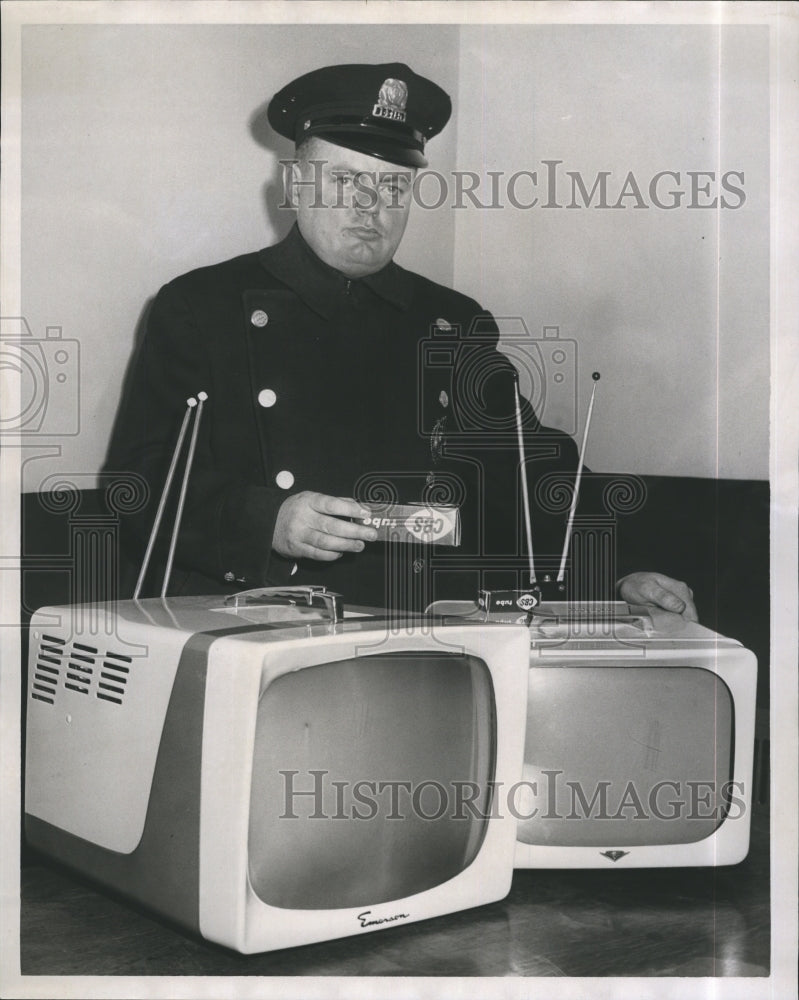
{"points": [[515, 604], [414, 522]]}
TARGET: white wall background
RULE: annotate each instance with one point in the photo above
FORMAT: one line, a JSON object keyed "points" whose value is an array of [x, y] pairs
{"points": [[139, 163], [671, 306]]}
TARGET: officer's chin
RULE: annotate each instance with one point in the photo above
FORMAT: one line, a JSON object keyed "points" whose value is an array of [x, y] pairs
{"points": [[362, 260]]}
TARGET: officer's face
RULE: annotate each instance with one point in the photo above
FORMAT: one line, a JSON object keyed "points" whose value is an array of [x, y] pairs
{"points": [[352, 209]]}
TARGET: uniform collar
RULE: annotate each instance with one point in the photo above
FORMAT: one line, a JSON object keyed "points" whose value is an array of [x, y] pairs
{"points": [[320, 286]]}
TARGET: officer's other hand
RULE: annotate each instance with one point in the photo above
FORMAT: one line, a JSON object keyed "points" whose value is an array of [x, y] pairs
{"points": [[312, 526], [660, 591]]}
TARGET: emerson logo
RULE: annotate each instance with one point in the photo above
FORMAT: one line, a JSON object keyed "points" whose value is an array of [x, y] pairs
{"points": [[365, 921]]}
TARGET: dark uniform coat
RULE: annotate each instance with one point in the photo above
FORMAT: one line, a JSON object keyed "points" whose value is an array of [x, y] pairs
{"points": [[387, 387]]}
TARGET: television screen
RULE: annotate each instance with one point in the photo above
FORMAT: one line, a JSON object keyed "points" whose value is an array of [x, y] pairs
{"points": [[644, 753], [356, 766]]}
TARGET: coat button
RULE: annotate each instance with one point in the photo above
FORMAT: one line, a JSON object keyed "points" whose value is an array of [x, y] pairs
{"points": [[259, 318], [294, 569], [267, 397], [284, 479], [229, 577], [443, 398], [418, 565]]}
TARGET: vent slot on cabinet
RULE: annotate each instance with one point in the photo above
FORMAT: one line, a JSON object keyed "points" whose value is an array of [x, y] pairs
{"points": [[114, 674], [54, 640], [80, 668], [47, 669]]}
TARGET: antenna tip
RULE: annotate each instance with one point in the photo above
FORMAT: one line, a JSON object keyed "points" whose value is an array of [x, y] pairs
{"points": [[595, 376], [202, 396], [191, 401]]}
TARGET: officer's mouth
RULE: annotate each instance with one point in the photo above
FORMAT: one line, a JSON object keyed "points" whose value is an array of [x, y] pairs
{"points": [[367, 233]]}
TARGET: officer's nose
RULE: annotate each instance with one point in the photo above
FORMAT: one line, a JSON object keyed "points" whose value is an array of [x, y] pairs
{"points": [[367, 197]]}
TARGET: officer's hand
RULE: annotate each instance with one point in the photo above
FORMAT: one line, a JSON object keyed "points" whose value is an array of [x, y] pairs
{"points": [[661, 591], [311, 526]]}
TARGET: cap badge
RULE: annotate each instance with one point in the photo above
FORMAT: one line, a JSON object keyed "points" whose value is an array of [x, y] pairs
{"points": [[391, 101]]}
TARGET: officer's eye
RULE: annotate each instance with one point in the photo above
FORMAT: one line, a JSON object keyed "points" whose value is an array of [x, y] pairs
{"points": [[394, 191]]}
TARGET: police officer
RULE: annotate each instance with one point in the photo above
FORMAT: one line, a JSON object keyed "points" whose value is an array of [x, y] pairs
{"points": [[335, 378]]}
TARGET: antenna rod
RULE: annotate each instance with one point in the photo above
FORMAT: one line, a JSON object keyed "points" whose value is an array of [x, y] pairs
{"points": [[525, 495], [202, 396], [190, 404], [578, 477]]}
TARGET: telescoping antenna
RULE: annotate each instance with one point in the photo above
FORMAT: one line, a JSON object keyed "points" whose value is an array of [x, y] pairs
{"points": [[576, 494], [493, 601], [191, 405], [525, 492]]}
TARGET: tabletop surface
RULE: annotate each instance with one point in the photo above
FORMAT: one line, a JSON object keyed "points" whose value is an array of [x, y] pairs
{"points": [[645, 922]]}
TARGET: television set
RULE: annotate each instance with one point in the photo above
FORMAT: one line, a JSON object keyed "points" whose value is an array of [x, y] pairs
{"points": [[639, 740], [268, 771]]}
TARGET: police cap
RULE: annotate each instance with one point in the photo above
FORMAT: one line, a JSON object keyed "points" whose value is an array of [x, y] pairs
{"points": [[383, 110]]}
